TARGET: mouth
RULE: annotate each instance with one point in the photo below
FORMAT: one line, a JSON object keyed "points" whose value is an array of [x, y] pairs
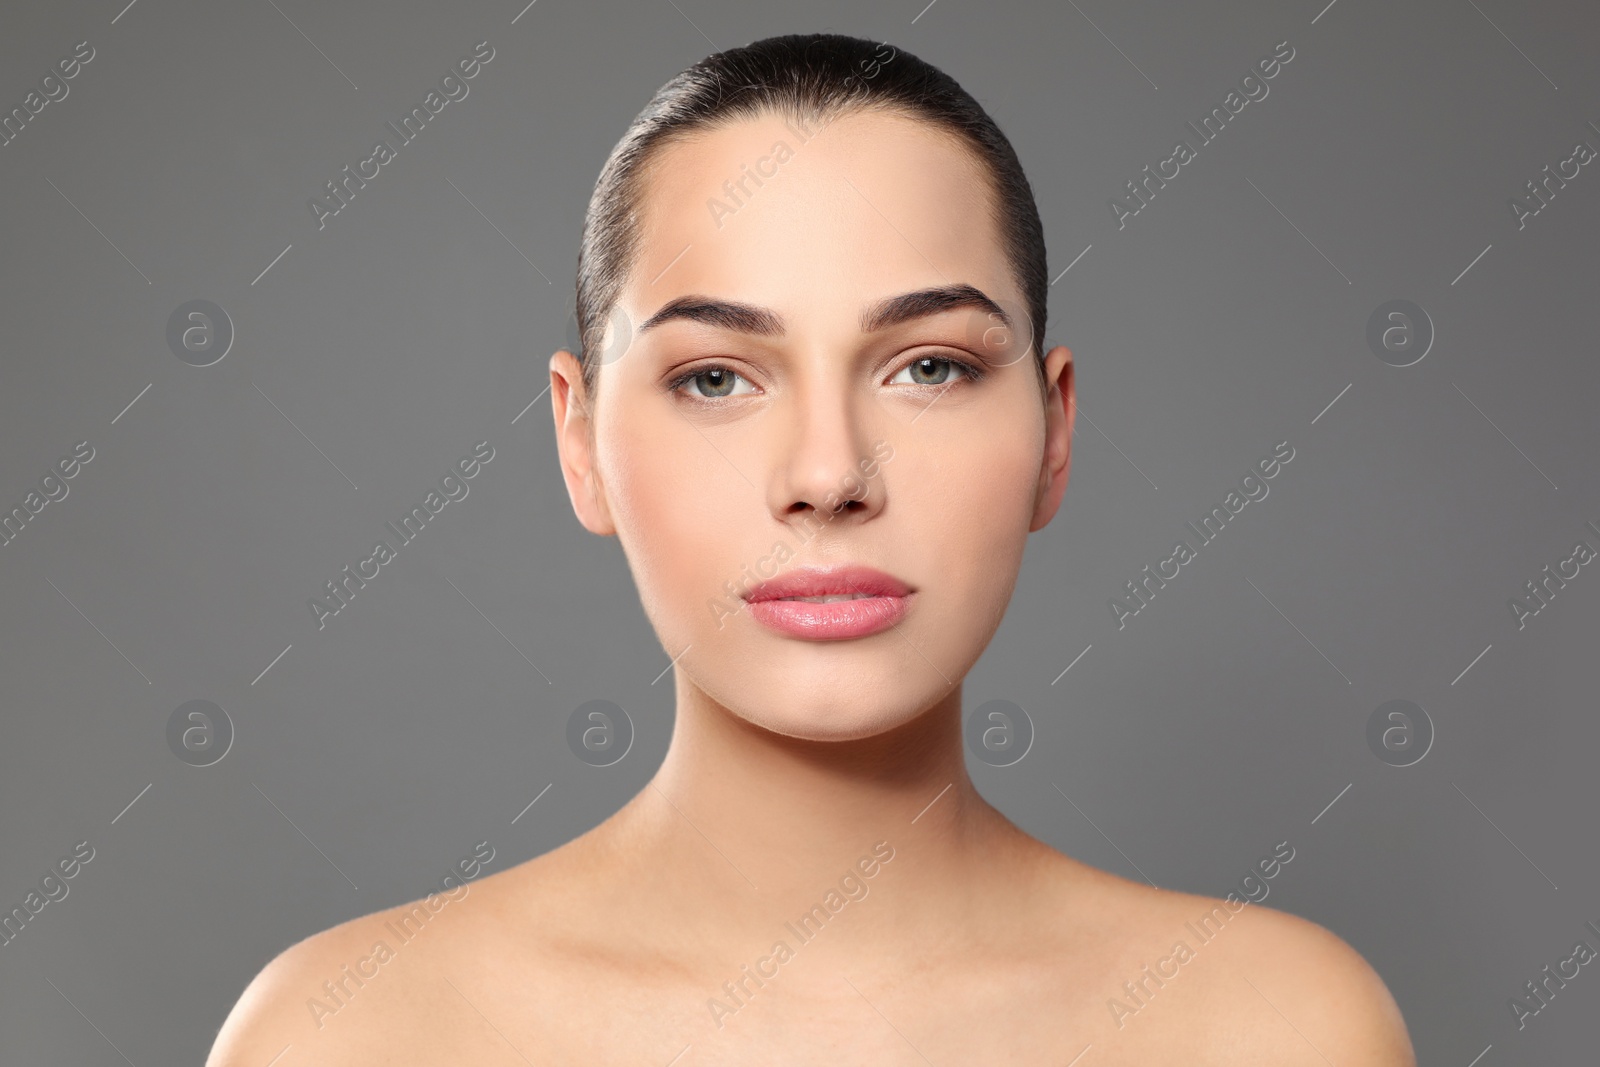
{"points": [[828, 599], [830, 604]]}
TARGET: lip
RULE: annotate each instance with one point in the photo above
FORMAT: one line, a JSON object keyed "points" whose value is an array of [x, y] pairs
{"points": [[884, 602]]}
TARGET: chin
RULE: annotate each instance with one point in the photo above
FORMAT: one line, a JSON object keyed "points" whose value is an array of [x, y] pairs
{"points": [[844, 722], [827, 703], [838, 723]]}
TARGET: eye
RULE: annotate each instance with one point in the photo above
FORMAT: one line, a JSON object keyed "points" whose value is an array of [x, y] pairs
{"points": [[933, 370], [711, 383]]}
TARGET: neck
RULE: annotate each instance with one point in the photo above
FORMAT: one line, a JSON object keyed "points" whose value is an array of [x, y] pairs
{"points": [[770, 822]]}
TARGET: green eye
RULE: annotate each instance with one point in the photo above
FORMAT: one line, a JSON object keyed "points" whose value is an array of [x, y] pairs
{"points": [[711, 383], [931, 370]]}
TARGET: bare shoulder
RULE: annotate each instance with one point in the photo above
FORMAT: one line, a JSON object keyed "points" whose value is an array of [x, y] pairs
{"points": [[1250, 985], [1312, 997], [1172, 976], [382, 987], [283, 1005]]}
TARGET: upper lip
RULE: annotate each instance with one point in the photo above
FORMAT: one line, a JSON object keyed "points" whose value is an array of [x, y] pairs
{"points": [[828, 581]]}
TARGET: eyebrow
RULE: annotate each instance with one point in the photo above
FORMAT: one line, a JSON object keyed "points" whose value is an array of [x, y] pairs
{"points": [[892, 311]]}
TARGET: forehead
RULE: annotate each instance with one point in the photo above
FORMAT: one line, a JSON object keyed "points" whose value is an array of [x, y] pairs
{"points": [[815, 219]]}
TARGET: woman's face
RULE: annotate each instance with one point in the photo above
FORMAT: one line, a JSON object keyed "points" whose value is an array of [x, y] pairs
{"points": [[767, 411]]}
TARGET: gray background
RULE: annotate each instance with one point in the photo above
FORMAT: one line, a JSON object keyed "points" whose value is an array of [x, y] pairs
{"points": [[1222, 319]]}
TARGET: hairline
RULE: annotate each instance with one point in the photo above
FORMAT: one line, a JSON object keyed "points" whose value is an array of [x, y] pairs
{"points": [[654, 148]]}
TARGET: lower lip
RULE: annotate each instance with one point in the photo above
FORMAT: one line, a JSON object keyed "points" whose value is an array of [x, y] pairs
{"points": [[833, 621]]}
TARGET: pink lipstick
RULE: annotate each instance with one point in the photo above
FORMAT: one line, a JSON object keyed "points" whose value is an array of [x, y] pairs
{"points": [[830, 604]]}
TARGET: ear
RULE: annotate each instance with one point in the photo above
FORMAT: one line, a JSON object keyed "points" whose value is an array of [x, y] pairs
{"points": [[574, 443], [1061, 411]]}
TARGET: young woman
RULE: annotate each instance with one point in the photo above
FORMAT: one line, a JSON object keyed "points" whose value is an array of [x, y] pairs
{"points": [[811, 407]]}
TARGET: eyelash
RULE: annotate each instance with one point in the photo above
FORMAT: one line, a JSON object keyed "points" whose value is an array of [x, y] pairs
{"points": [[969, 373]]}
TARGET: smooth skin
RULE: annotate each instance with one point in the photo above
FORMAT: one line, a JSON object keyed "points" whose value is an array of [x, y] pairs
{"points": [[791, 759]]}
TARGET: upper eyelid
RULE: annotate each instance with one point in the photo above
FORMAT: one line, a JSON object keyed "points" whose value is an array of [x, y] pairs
{"points": [[684, 377]]}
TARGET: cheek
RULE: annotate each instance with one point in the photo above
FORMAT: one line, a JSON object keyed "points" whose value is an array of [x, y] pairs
{"points": [[671, 500], [989, 483], [973, 499], [1002, 503]]}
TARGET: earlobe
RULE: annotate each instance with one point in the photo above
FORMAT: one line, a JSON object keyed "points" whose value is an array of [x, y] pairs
{"points": [[1061, 410], [574, 444]]}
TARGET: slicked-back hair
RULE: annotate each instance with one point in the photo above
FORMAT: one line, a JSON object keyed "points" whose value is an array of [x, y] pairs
{"points": [[813, 78]]}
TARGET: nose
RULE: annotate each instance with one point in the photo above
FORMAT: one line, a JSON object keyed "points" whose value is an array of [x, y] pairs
{"points": [[828, 468]]}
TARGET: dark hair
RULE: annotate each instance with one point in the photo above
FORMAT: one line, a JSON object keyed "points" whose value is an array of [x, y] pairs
{"points": [[814, 76]]}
